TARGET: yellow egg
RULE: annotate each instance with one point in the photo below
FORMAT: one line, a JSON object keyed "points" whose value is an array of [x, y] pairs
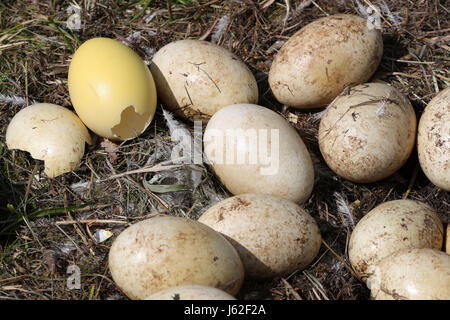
{"points": [[111, 88]]}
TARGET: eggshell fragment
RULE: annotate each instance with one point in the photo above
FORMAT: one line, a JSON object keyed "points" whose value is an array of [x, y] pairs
{"points": [[324, 57], [111, 89], [412, 274], [368, 132], [273, 236], [252, 149], [191, 292], [166, 251], [50, 133], [392, 226], [196, 78], [433, 140]]}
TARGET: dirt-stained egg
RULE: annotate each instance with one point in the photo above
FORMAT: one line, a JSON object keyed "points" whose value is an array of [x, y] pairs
{"points": [[273, 236], [196, 78], [392, 226], [412, 274], [447, 241], [191, 292], [166, 251], [324, 57], [111, 89], [50, 133], [368, 132], [433, 140], [253, 149]]}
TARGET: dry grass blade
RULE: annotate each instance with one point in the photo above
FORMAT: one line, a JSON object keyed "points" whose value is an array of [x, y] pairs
{"points": [[156, 168], [291, 289]]}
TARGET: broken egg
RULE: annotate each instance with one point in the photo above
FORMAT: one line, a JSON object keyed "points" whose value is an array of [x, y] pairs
{"points": [[111, 89], [50, 133]]}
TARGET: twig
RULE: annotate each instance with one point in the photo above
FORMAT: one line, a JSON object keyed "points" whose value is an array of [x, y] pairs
{"points": [[291, 289], [316, 283], [156, 168], [91, 221], [208, 32], [341, 260], [13, 278], [288, 10], [79, 249], [169, 9], [411, 182], [323, 11]]}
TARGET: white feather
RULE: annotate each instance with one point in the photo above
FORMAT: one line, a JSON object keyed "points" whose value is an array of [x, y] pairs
{"points": [[362, 10], [344, 211], [300, 7], [394, 17], [13, 100], [220, 28]]}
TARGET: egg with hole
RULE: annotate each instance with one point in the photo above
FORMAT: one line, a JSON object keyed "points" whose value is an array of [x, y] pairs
{"points": [[197, 78], [166, 251], [324, 57], [433, 140], [50, 133], [273, 236], [392, 226], [111, 89], [368, 132], [191, 292], [412, 274], [253, 149]]}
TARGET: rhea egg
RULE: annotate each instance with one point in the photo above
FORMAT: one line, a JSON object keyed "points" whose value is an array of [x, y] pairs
{"points": [[111, 89], [433, 140], [368, 132], [196, 78], [412, 274], [392, 226], [273, 236], [322, 58], [253, 149], [166, 251]]}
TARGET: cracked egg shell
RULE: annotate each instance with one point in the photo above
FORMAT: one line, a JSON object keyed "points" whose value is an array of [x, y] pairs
{"points": [[433, 140], [392, 226], [165, 251], [50, 133], [111, 89], [412, 274], [264, 155], [324, 57], [273, 236], [191, 292], [368, 132], [196, 78]]}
